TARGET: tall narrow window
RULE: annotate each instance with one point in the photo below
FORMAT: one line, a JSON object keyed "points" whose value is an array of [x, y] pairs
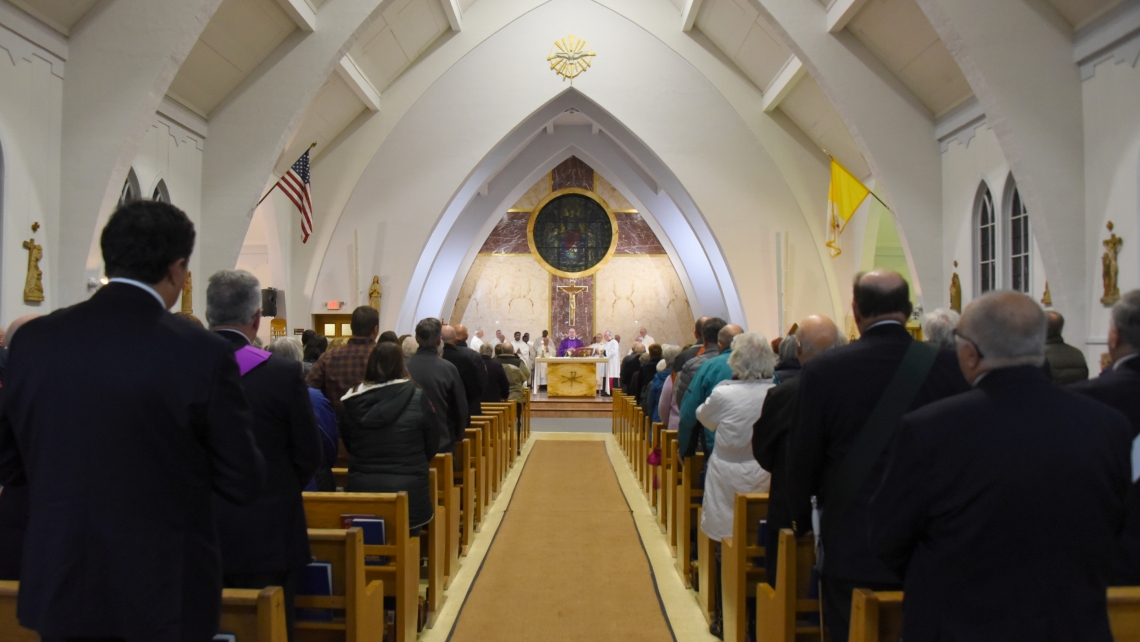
{"points": [[1019, 242], [160, 193], [131, 191], [986, 264]]}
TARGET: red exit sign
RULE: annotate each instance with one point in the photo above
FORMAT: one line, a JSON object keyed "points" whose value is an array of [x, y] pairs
{"points": [[334, 305]]}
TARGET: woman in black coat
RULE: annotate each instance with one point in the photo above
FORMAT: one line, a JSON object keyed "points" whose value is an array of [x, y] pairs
{"points": [[391, 433]]}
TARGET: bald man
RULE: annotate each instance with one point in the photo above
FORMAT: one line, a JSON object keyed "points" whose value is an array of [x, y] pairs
{"points": [[711, 372], [994, 498], [816, 335], [472, 370], [832, 438]]}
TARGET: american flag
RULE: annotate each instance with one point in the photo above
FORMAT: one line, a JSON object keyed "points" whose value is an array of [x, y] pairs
{"points": [[295, 184]]}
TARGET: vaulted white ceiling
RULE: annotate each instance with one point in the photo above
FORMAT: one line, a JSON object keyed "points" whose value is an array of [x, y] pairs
{"points": [[61, 15]]}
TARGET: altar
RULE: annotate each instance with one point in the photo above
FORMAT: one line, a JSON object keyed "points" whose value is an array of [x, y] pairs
{"points": [[571, 376]]}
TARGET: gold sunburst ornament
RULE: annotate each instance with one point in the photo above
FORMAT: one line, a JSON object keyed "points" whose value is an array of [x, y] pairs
{"points": [[570, 57]]}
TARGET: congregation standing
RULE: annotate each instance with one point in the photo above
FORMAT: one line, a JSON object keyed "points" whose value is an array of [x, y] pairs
{"points": [[980, 471]]}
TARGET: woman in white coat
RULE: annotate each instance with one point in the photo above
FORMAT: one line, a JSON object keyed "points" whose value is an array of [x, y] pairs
{"points": [[731, 411]]}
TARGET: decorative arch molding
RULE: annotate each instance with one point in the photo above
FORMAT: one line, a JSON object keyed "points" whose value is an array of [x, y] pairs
{"points": [[615, 154]]}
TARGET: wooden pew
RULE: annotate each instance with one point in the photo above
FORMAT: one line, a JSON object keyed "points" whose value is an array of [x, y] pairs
{"points": [[664, 474], [708, 591], [466, 482], [492, 450], [401, 576], [253, 615], [653, 475], [688, 515], [667, 505], [433, 546], [250, 615], [361, 599], [878, 616], [448, 500], [508, 411], [739, 572], [778, 609], [478, 458], [10, 629]]}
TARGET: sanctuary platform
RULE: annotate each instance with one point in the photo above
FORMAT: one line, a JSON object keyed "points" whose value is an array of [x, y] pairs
{"points": [[543, 405]]}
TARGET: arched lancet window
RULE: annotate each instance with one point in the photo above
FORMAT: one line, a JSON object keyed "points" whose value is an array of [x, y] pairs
{"points": [[131, 191], [160, 194], [985, 241], [1016, 242]]}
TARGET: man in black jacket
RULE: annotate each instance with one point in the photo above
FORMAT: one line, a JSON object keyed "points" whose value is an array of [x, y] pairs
{"points": [[472, 371], [692, 350], [838, 392], [630, 366], [816, 335], [498, 386], [1120, 388], [440, 380], [995, 498], [265, 543], [125, 420]]}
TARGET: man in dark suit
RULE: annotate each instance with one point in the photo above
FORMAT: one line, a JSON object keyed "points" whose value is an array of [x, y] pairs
{"points": [[472, 370], [13, 496], [441, 383], [266, 543], [1066, 363], [1000, 507], [816, 335], [125, 420], [1120, 388], [838, 392]]}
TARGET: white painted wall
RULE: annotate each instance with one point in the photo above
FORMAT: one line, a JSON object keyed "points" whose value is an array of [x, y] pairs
{"points": [[1112, 172], [31, 109]]}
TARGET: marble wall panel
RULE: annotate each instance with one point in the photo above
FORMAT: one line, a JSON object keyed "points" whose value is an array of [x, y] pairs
{"points": [[509, 236], [572, 172], [560, 309], [537, 192], [610, 194], [635, 291], [634, 236], [504, 292]]}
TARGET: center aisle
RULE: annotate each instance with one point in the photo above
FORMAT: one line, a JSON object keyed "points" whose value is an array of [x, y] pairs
{"points": [[567, 562]]}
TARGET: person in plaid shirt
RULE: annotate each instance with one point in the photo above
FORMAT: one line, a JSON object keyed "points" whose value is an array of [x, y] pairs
{"points": [[342, 368]]}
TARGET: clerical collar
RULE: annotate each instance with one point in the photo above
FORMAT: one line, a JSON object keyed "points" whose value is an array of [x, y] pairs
{"points": [[884, 322], [237, 332], [1126, 358], [140, 284]]}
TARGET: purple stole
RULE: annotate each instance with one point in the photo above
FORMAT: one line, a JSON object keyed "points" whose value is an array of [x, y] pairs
{"points": [[249, 358]]}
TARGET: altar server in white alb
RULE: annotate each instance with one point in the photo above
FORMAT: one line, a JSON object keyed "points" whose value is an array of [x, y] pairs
{"points": [[476, 341], [543, 348], [613, 365], [598, 349], [522, 349]]}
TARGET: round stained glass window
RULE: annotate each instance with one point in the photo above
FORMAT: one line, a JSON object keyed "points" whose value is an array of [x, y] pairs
{"points": [[572, 233]]}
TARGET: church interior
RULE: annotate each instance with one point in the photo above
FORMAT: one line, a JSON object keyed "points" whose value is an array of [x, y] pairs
{"points": [[600, 176]]}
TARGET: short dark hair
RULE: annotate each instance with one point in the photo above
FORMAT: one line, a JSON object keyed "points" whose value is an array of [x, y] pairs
{"points": [[365, 319], [385, 363], [1055, 324], [316, 347], [428, 331], [655, 351], [142, 239], [711, 329], [874, 301], [388, 336], [307, 336]]}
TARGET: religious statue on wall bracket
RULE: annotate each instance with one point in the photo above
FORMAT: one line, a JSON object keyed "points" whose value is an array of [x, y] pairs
{"points": [[188, 294], [374, 293], [1109, 267], [1047, 297], [956, 291], [34, 281]]}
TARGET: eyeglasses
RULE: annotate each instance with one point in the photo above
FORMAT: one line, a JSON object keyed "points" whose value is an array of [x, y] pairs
{"points": [[959, 335]]}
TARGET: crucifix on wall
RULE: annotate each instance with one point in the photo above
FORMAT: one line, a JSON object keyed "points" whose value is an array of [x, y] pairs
{"points": [[572, 291]]}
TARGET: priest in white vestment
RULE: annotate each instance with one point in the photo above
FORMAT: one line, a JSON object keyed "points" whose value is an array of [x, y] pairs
{"points": [[613, 365], [475, 342], [643, 334], [542, 348]]}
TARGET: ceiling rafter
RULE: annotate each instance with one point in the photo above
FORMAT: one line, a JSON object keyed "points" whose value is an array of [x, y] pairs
{"points": [[301, 13]]}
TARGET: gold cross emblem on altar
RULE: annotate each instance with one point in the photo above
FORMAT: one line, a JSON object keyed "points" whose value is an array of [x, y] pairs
{"points": [[572, 291]]}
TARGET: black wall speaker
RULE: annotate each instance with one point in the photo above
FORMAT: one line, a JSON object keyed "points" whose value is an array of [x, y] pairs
{"points": [[269, 302]]}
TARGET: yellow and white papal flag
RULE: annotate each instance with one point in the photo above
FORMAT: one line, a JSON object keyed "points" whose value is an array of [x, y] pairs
{"points": [[845, 196]]}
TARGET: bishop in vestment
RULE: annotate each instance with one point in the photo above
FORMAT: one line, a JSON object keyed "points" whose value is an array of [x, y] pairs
{"points": [[569, 344]]}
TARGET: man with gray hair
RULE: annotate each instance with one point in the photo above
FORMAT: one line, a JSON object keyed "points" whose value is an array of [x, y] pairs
{"points": [[938, 327], [815, 335], [1119, 387], [988, 492], [266, 543], [441, 383]]}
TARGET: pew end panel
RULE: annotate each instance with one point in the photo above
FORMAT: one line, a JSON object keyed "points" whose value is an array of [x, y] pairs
{"points": [[361, 601], [781, 611], [742, 562], [876, 617], [254, 615], [10, 629]]}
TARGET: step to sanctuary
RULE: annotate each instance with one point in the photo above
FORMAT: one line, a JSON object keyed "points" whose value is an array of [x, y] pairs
{"points": [[570, 407]]}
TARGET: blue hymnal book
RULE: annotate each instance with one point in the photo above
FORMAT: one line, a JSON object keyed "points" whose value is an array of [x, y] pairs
{"points": [[374, 535], [317, 580], [762, 538]]}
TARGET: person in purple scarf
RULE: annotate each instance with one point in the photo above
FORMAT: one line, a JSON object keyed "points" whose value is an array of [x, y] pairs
{"points": [[569, 344]]}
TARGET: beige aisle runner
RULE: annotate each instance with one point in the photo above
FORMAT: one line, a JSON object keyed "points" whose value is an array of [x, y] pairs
{"points": [[567, 562]]}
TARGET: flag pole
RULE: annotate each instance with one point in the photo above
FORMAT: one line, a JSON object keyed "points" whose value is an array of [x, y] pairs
{"points": [[266, 195], [869, 190]]}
